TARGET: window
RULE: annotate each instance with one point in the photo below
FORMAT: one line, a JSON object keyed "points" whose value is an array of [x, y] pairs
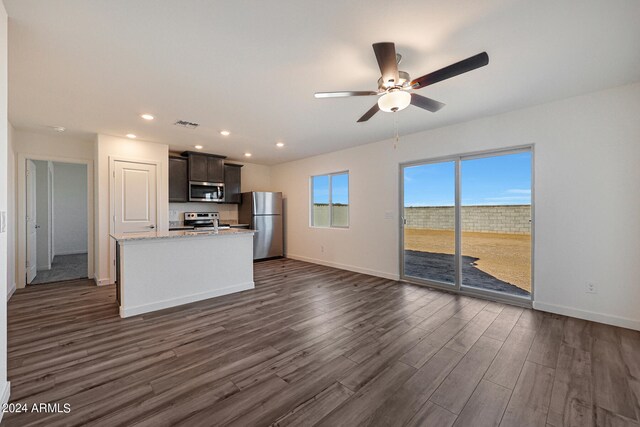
{"points": [[330, 200]]}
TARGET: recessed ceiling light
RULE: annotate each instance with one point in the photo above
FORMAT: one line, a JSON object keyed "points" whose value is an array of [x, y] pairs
{"points": [[147, 116], [132, 136], [279, 144], [199, 147], [225, 133], [58, 128], [247, 154]]}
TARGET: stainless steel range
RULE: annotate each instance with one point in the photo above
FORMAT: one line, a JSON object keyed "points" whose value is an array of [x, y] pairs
{"points": [[203, 221]]}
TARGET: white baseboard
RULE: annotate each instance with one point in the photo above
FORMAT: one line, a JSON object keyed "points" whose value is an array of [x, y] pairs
{"points": [[103, 282], [609, 319], [11, 291], [159, 305], [345, 267], [6, 392], [77, 252]]}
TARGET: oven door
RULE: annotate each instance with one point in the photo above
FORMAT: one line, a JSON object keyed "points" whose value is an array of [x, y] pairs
{"points": [[206, 191]]}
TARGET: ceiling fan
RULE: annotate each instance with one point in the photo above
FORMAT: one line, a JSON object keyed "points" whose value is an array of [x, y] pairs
{"points": [[394, 85]]}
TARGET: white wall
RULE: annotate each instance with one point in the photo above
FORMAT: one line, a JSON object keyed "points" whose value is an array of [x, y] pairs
{"points": [[255, 177], [70, 226], [52, 145], [587, 153], [4, 385], [110, 147], [43, 255]]}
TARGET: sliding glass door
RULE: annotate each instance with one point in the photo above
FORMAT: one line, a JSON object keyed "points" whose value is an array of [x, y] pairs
{"points": [[496, 223], [429, 213], [467, 223]]}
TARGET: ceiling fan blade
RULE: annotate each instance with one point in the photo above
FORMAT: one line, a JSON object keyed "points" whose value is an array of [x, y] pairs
{"points": [[426, 103], [388, 62], [369, 113], [476, 61], [344, 94]]}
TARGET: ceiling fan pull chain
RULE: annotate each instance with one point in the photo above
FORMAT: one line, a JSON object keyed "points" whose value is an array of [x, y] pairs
{"points": [[395, 125]]}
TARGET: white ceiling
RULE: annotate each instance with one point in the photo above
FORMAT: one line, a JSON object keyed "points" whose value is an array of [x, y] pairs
{"points": [[252, 67]]}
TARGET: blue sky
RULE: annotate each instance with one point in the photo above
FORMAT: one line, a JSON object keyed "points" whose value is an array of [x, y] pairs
{"points": [[498, 180], [339, 187]]}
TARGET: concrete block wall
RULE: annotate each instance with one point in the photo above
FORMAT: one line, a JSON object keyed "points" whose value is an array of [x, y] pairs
{"points": [[510, 219], [321, 215]]}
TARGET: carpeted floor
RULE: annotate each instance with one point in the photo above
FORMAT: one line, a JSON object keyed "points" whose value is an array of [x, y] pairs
{"points": [[440, 267], [63, 267]]}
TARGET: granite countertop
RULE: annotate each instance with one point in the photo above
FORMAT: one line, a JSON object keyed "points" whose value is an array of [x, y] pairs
{"points": [[179, 225], [177, 234]]}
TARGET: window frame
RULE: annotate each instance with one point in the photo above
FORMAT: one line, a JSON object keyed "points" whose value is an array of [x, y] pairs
{"points": [[311, 204]]}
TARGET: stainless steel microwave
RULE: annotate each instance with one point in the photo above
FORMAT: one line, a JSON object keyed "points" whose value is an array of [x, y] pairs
{"points": [[206, 191]]}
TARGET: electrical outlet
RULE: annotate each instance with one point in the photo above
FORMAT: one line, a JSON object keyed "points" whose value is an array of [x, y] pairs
{"points": [[388, 215], [322, 248], [591, 288]]}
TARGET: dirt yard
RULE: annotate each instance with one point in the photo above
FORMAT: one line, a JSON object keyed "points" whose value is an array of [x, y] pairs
{"points": [[504, 256]]}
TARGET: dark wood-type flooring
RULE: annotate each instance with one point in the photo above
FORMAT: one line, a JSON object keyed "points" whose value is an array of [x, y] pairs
{"points": [[312, 345]]}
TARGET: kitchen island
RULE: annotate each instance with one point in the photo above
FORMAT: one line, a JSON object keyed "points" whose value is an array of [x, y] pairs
{"points": [[166, 269]]}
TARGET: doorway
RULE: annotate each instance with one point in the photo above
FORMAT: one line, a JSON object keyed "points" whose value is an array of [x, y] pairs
{"points": [[467, 224], [57, 237]]}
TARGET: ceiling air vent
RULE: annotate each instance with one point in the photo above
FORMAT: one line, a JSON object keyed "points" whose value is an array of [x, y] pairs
{"points": [[186, 124]]}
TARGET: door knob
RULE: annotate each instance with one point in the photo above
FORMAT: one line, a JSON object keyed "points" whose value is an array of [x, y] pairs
{"points": [[37, 226]]}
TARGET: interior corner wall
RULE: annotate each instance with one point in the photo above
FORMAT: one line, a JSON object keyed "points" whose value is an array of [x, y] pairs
{"points": [[586, 156], [109, 147], [4, 186]]}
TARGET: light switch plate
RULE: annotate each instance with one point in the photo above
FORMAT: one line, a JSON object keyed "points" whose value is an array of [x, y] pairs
{"points": [[3, 222]]}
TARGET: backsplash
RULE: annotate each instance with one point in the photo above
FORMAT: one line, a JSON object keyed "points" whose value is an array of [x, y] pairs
{"points": [[228, 213]]}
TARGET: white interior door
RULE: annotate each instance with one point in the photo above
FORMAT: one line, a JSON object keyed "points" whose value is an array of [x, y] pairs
{"points": [[32, 261], [135, 197]]}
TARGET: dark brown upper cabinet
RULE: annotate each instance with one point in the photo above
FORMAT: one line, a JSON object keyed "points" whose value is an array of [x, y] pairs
{"points": [[178, 179], [198, 168], [232, 189], [215, 169], [205, 167]]}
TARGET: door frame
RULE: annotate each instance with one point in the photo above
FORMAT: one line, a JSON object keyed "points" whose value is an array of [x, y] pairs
{"points": [[112, 203], [21, 211], [457, 287], [31, 194]]}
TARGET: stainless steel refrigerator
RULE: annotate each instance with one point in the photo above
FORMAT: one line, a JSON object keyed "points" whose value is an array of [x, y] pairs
{"points": [[263, 212]]}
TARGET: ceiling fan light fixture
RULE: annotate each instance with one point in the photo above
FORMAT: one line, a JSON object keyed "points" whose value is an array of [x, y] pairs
{"points": [[394, 101]]}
